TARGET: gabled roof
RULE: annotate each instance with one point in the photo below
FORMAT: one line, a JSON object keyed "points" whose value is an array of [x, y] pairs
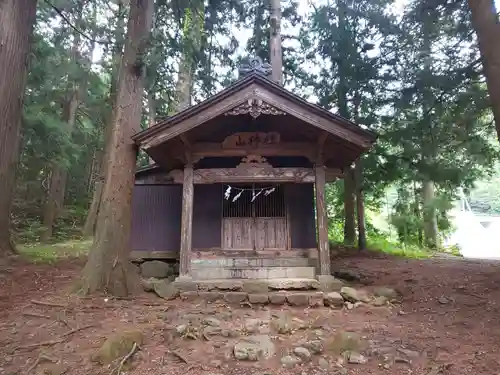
{"points": [[255, 86]]}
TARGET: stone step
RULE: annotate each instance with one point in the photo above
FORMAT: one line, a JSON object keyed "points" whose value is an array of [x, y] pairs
{"points": [[251, 262], [213, 273]]}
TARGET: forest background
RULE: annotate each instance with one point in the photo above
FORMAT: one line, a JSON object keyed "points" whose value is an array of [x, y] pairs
{"points": [[411, 71]]}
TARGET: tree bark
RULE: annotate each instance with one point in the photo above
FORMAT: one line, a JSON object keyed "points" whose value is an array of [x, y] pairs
{"points": [[487, 27], [192, 37], [275, 42], [108, 268], [91, 219], [430, 220], [16, 26], [349, 208], [360, 205]]}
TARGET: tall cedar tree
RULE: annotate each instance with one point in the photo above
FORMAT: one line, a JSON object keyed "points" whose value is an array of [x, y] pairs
{"points": [[108, 268], [16, 26], [117, 51], [485, 22]]}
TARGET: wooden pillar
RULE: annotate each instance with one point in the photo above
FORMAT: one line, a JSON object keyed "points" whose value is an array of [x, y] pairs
{"points": [[322, 220], [186, 222]]}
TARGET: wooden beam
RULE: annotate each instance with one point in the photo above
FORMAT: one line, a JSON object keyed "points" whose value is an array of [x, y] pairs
{"points": [[322, 221], [186, 222], [320, 148], [226, 175], [209, 149]]}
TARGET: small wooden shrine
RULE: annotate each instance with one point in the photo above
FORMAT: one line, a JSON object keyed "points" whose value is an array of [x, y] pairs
{"points": [[238, 188]]}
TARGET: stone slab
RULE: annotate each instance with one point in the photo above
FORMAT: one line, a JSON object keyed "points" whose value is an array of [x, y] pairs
{"points": [[210, 296], [277, 298], [235, 297], [258, 298], [293, 284], [255, 286]]}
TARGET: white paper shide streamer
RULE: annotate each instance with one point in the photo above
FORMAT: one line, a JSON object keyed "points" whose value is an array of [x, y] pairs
{"points": [[239, 192]]}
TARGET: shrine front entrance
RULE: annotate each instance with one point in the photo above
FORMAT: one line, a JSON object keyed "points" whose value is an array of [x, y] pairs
{"points": [[254, 217]]}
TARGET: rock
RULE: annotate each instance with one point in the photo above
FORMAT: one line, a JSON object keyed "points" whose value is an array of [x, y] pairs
{"points": [[149, 284], [345, 341], [252, 325], [299, 324], [353, 295], [181, 329], [212, 322], [156, 268], [290, 361], [316, 299], [235, 297], [166, 290], [277, 299], [347, 275], [254, 348], [356, 358], [228, 285], [323, 363], [255, 286], [349, 305], [388, 293], [302, 353], [118, 345], [210, 296], [298, 299], [293, 284], [380, 301], [229, 333], [282, 325], [189, 296], [334, 299], [185, 285], [443, 300], [409, 353], [329, 283], [211, 331], [53, 369], [314, 346], [261, 299]]}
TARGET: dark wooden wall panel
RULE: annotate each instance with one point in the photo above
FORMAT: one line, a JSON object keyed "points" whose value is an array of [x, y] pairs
{"points": [[207, 215], [300, 204], [156, 218]]}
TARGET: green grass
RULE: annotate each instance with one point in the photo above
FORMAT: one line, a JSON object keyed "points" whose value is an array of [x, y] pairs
{"points": [[49, 253], [408, 251]]}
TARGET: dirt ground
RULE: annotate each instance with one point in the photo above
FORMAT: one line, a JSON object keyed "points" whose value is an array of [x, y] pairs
{"points": [[449, 316]]}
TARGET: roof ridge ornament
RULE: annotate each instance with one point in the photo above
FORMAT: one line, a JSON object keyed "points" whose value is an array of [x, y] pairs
{"points": [[255, 107], [254, 65]]}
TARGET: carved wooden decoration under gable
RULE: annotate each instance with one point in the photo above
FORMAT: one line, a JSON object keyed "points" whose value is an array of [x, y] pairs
{"points": [[251, 140], [255, 107]]}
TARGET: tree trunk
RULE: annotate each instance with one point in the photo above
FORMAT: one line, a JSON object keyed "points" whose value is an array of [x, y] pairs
{"points": [[360, 205], [90, 221], [192, 37], [487, 27], [108, 268], [58, 176], [430, 221], [349, 208], [16, 25], [275, 42]]}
